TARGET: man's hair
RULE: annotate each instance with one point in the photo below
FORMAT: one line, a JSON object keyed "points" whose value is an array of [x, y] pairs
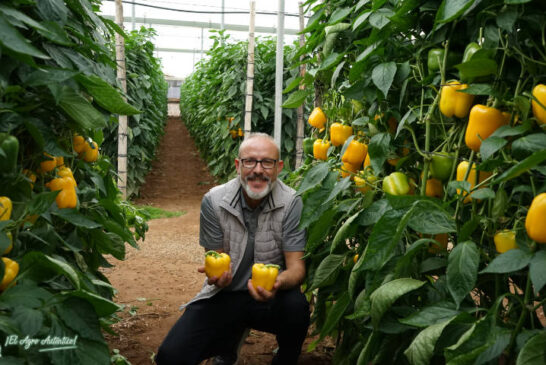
{"points": [[258, 135]]}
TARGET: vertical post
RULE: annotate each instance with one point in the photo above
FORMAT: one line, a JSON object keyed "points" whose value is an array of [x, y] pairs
{"points": [[202, 39], [278, 74], [122, 126], [133, 26], [250, 71], [300, 131]]}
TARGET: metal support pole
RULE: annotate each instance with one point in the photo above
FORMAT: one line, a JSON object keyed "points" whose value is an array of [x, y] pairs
{"points": [[279, 74], [122, 126], [133, 26], [300, 131], [250, 71]]}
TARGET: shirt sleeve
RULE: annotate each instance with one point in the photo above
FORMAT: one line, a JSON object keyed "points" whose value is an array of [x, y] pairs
{"points": [[210, 232], [294, 239]]}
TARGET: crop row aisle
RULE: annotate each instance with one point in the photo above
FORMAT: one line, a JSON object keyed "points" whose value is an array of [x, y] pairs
{"points": [[61, 212]]}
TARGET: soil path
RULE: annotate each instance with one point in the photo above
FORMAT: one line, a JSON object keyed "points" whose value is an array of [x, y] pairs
{"points": [[155, 280]]}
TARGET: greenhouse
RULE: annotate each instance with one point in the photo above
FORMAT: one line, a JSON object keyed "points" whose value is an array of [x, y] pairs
{"points": [[249, 182]]}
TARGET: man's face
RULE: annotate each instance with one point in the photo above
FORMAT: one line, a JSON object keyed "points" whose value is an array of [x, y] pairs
{"points": [[258, 181]]}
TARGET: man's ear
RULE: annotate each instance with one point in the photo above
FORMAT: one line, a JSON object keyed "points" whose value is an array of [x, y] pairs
{"points": [[280, 165], [237, 162]]}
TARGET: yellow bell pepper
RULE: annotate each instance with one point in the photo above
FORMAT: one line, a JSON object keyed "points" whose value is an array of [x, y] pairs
{"points": [[442, 239], [366, 183], [482, 122], [78, 143], [535, 221], [434, 188], [320, 149], [11, 269], [539, 92], [67, 197], [453, 102], [5, 208], [216, 263], [65, 171], [339, 133], [90, 152], [49, 164], [264, 275], [317, 118], [348, 169], [461, 171], [355, 153], [505, 240]]}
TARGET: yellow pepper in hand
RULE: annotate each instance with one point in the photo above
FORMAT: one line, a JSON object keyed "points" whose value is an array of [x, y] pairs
{"points": [[264, 275], [339, 133], [320, 149], [505, 240], [216, 263], [5, 208], [535, 221], [11, 269], [453, 102]]}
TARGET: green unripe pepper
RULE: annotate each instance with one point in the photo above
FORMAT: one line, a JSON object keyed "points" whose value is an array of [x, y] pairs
{"points": [[436, 57], [441, 165], [469, 51], [9, 149], [396, 184]]}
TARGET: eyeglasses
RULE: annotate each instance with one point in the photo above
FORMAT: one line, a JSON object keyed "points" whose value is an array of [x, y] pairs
{"points": [[250, 163]]}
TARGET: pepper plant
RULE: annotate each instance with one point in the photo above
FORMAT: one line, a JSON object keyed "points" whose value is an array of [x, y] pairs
{"points": [[428, 284], [58, 92]]}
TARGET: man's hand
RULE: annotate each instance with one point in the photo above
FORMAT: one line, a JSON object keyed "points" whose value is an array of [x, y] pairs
{"points": [[221, 281], [260, 294]]}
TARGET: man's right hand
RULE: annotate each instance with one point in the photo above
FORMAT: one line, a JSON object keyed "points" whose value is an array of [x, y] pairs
{"points": [[222, 281]]}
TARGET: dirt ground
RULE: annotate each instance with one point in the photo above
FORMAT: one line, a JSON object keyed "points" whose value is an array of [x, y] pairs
{"points": [[155, 280]]}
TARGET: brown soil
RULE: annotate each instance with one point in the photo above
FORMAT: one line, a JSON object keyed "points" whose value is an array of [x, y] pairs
{"points": [[155, 280]]}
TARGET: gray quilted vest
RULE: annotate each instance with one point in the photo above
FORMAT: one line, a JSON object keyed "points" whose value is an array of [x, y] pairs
{"points": [[268, 239]]}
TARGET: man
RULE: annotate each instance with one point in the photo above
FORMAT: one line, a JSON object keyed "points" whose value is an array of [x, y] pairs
{"points": [[254, 218]]}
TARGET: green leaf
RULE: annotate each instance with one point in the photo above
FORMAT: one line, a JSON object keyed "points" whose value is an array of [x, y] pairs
{"points": [[478, 89], [383, 75], [452, 9], [58, 265], [29, 320], [482, 194], [380, 18], [12, 39], [537, 270], [421, 350], [77, 219], [434, 314], [326, 269], [384, 238], [384, 296], [79, 315], [346, 230], [335, 314], [295, 83], [105, 95], [462, 270], [80, 110], [374, 212], [41, 202], [319, 229], [528, 144], [313, 203], [507, 18], [314, 177], [510, 261], [103, 307], [521, 167], [296, 99], [477, 67], [339, 14], [430, 218], [534, 351], [361, 19], [330, 61], [340, 186], [514, 2], [491, 145], [378, 150]]}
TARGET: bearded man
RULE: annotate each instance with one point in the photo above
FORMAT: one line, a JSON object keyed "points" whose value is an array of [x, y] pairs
{"points": [[254, 218]]}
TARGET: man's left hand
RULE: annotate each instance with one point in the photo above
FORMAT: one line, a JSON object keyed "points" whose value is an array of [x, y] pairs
{"points": [[260, 294]]}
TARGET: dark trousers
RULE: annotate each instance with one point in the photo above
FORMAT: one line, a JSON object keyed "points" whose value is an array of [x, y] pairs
{"points": [[214, 326]]}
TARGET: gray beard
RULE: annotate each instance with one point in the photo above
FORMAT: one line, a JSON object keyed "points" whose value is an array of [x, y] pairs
{"points": [[256, 195]]}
